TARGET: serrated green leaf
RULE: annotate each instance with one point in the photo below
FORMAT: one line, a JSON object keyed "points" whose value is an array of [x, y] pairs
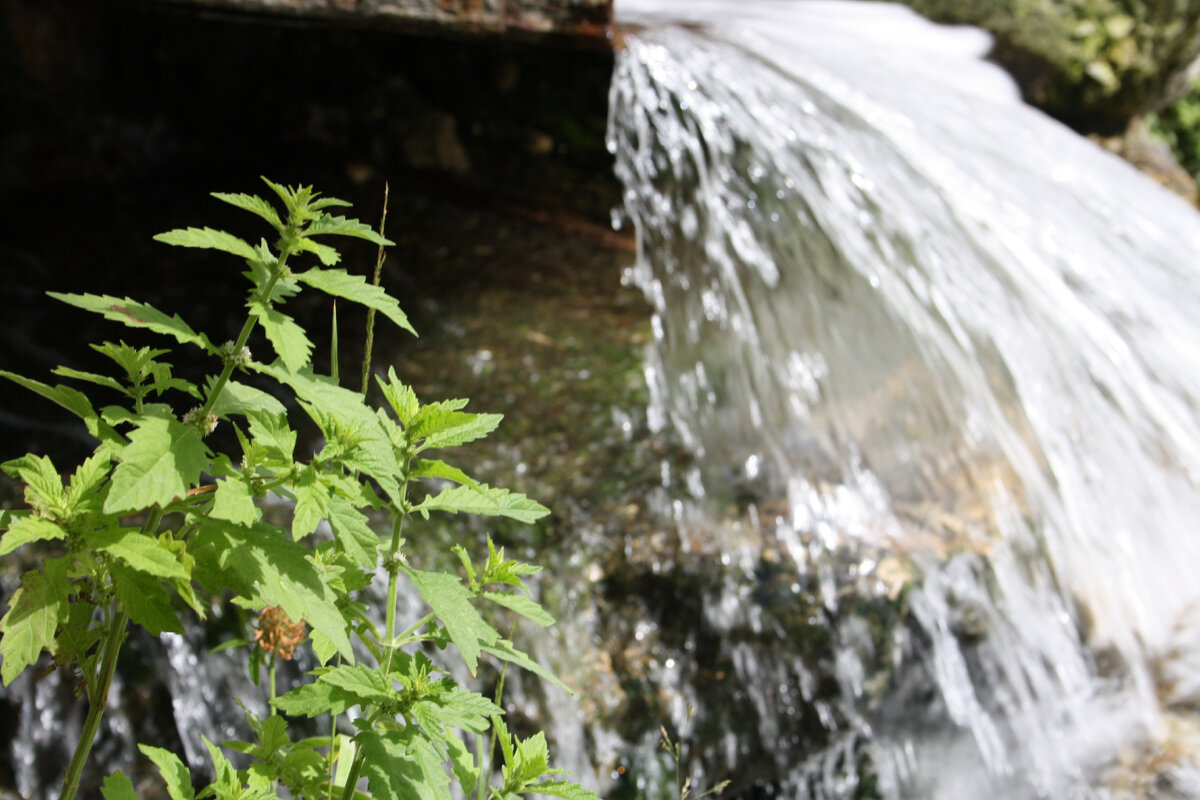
{"points": [[402, 768], [462, 764], [265, 566], [339, 283], [74, 401], [235, 503], [87, 478], [533, 758], [315, 699], [506, 651], [271, 430], [272, 736], [146, 601], [118, 787], [442, 424], [286, 196], [289, 339], [91, 377], [522, 605], [451, 603], [400, 396], [324, 253], [43, 485], [324, 400], [326, 202], [459, 708], [208, 239], [482, 499], [174, 772], [240, 398], [563, 789], [136, 315], [465, 559], [327, 224], [33, 615], [161, 462], [505, 739], [227, 783], [138, 550], [353, 532], [163, 381], [255, 205], [370, 686], [423, 468], [29, 529], [76, 635], [312, 502]]}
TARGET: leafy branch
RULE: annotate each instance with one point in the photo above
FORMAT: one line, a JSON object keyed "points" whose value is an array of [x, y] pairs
{"points": [[156, 523]]}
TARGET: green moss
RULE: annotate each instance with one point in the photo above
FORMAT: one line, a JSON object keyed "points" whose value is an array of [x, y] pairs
{"points": [[1179, 126]]}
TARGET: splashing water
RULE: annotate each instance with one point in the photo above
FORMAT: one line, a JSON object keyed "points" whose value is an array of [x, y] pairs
{"points": [[898, 310]]}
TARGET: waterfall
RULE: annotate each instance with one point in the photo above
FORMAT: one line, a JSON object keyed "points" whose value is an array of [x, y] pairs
{"points": [[898, 312]]}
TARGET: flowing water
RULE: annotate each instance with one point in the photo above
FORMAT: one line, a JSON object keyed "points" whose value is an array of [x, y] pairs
{"points": [[900, 314], [911, 511]]}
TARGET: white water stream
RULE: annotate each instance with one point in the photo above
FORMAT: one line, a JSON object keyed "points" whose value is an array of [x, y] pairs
{"points": [[938, 361], [902, 308]]}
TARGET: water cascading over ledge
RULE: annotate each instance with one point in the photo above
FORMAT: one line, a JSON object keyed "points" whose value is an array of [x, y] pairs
{"points": [[900, 314], [931, 356]]}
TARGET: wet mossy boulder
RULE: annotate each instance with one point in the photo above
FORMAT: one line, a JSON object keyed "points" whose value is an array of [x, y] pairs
{"points": [[1094, 64]]}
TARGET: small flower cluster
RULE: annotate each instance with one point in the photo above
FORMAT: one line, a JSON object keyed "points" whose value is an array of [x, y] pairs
{"points": [[229, 352], [277, 634], [205, 424]]}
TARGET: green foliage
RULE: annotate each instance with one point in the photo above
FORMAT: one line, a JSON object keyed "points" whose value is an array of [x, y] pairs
{"points": [[155, 523], [1179, 126]]}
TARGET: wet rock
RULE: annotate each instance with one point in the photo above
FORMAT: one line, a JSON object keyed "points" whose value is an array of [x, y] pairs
{"points": [[1094, 64]]}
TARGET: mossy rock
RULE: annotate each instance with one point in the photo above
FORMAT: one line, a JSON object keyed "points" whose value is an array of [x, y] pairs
{"points": [[1094, 64]]}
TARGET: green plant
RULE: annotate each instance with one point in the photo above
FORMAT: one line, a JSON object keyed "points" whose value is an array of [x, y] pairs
{"points": [[683, 784], [155, 521], [1179, 126]]}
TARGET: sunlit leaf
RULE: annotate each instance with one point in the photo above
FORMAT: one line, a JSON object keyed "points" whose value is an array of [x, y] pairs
{"points": [[138, 550], [255, 205], [340, 283], [144, 598], [33, 615], [451, 603], [161, 462], [136, 314], [207, 238]]}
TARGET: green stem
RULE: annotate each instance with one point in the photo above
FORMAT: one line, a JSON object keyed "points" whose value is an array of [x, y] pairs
{"points": [[99, 702], [247, 327], [499, 701], [352, 777], [271, 685], [416, 626], [393, 580], [366, 365]]}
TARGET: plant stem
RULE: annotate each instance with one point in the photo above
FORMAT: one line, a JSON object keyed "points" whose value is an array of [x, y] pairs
{"points": [[366, 365], [271, 685], [352, 776], [247, 327], [499, 701], [99, 702], [393, 580]]}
